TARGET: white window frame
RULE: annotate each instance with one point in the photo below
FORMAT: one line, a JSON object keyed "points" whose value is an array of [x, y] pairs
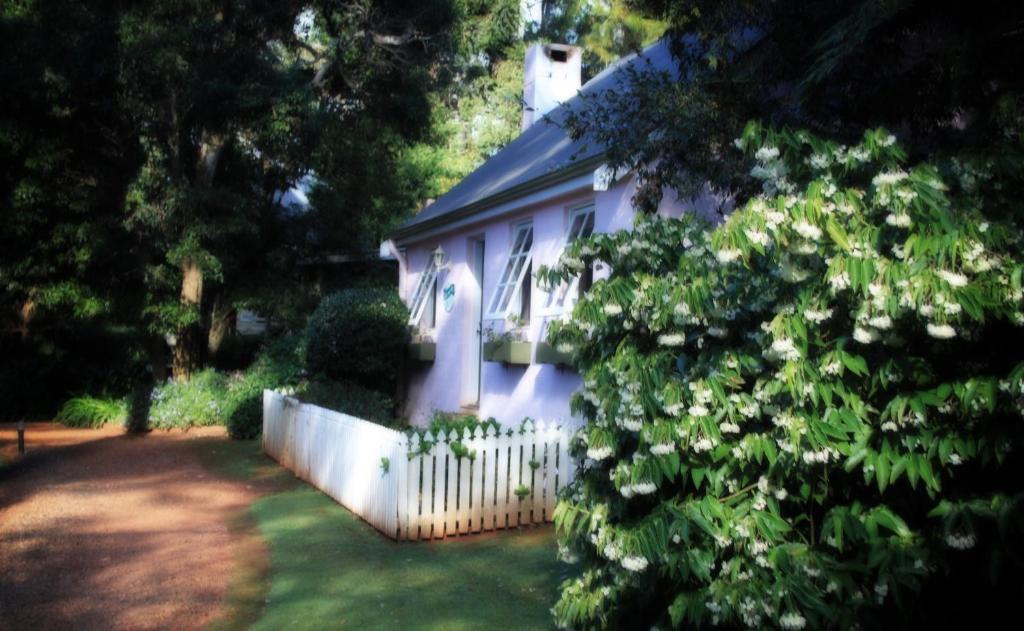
{"points": [[509, 290], [426, 286], [566, 294]]}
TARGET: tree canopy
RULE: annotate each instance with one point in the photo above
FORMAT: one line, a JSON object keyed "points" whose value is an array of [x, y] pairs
{"points": [[146, 147]]}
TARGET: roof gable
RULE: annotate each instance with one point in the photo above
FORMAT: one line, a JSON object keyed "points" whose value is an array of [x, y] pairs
{"points": [[537, 156]]}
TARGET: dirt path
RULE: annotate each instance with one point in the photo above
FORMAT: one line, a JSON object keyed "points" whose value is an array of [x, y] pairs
{"points": [[102, 530]]}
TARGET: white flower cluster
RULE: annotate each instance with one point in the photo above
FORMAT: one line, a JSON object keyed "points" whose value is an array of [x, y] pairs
{"points": [[792, 621], [881, 591], [703, 444], [751, 614], [785, 349], [771, 171], [663, 449], [727, 255], [977, 260], [839, 281], [819, 161], [566, 555], [822, 456], [865, 336], [899, 220], [672, 339], [630, 423], [807, 230], [599, 453], [612, 550], [634, 563], [955, 279], [767, 153], [964, 541], [757, 236], [889, 178], [941, 331], [698, 410], [640, 488], [817, 316]]}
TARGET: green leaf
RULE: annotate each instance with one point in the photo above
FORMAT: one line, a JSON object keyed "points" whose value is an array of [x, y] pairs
{"points": [[837, 233], [854, 363], [890, 520], [942, 509], [882, 472], [925, 469], [855, 459]]}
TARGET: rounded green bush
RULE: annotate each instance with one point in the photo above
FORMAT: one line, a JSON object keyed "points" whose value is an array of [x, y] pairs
{"points": [[349, 398], [278, 365], [358, 335]]}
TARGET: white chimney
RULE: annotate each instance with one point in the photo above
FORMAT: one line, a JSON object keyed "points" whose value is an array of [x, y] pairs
{"points": [[552, 76]]}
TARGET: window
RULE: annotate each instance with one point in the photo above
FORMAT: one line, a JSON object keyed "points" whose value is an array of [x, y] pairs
{"points": [[510, 294], [423, 297], [581, 226]]}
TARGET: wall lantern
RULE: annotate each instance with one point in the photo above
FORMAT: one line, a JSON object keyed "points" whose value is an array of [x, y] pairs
{"points": [[440, 259]]}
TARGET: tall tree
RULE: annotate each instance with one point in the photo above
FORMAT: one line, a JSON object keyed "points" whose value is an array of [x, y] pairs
{"points": [[147, 145], [67, 158]]}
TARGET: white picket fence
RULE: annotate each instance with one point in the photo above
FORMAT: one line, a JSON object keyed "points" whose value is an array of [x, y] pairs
{"points": [[337, 453], [502, 480]]}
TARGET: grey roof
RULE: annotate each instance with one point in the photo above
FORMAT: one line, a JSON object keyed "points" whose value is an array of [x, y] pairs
{"points": [[538, 156]]}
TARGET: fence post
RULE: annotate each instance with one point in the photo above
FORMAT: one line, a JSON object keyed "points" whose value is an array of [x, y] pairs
{"points": [[401, 473], [413, 489], [21, 437], [476, 484], [489, 455], [451, 492]]}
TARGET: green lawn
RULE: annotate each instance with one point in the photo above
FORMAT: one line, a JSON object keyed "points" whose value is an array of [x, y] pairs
{"points": [[328, 569]]}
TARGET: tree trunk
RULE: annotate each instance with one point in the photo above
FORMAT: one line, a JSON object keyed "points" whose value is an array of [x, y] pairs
{"points": [[158, 358], [25, 315], [188, 349], [222, 320]]}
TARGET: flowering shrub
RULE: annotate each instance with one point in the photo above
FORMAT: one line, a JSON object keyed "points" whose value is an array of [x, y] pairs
{"points": [[810, 415], [196, 403]]}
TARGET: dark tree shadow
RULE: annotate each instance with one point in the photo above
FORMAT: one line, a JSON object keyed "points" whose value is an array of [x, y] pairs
{"points": [[139, 405]]}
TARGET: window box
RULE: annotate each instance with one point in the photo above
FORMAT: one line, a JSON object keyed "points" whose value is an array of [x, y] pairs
{"points": [[548, 354], [422, 351], [508, 352]]}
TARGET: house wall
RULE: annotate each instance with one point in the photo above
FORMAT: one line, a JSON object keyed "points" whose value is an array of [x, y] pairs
{"points": [[511, 393]]}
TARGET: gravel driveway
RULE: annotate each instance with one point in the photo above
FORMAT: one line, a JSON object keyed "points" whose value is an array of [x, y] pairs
{"points": [[103, 530]]}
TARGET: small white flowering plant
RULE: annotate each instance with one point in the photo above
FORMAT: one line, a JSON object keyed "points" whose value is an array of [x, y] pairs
{"points": [[514, 330], [810, 414]]}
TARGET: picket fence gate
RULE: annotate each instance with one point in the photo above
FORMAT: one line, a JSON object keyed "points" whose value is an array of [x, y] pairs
{"points": [[411, 488]]}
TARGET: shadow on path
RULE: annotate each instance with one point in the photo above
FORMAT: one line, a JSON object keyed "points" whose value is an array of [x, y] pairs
{"points": [[101, 529]]}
